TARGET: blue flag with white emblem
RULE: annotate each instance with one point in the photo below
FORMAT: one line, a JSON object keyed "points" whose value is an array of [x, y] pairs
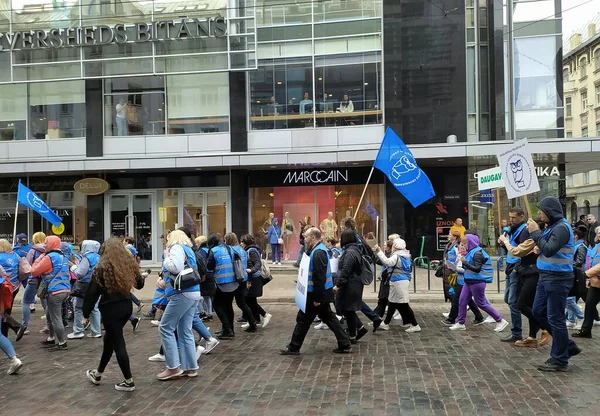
{"points": [[27, 197], [397, 162]]}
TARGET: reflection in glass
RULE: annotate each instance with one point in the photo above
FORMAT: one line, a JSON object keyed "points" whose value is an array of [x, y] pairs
{"points": [[13, 111]]}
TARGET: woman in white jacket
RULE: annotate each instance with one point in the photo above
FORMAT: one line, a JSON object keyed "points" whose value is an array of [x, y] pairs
{"points": [[400, 266]]}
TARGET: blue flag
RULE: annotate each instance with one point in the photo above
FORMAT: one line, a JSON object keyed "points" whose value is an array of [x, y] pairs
{"points": [[397, 162], [27, 197]]}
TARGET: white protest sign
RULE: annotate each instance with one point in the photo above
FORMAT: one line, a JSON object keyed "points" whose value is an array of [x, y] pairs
{"points": [[302, 285], [489, 179], [518, 173]]}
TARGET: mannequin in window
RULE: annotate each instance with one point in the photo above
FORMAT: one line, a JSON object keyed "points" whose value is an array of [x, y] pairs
{"points": [[328, 226], [121, 118], [288, 229]]}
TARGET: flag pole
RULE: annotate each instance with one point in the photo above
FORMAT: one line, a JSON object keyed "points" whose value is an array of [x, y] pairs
{"points": [[363, 192], [16, 213]]}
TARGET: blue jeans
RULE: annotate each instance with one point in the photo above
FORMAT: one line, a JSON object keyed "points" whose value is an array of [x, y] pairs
{"points": [[179, 315], [501, 253], [574, 311], [369, 313], [511, 296], [549, 310], [6, 346], [276, 250], [121, 126], [28, 298], [78, 317], [199, 327]]}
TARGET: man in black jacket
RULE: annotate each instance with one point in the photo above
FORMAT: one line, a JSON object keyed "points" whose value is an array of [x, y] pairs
{"points": [[592, 224], [555, 264], [319, 297]]}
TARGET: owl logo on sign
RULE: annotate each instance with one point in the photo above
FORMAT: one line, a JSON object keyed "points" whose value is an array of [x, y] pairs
{"points": [[517, 171]]}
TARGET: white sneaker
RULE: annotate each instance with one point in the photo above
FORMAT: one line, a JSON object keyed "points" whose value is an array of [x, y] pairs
{"points": [[246, 325], [321, 326], [571, 325], [199, 351], [266, 319], [578, 324], [501, 326], [384, 327], [157, 358], [154, 322], [489, 320], [397, 315], [446, 314], [15, 366], [73, 335], [279, 263], [415, 328], [458, 327], [210, 345]]}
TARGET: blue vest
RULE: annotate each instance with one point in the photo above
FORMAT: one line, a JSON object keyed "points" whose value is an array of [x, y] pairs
{"points": [[10, 264], [223, 265], [563, 260], [451, 257], [593, 256], [58, 278], [402, 270], [204, 253], [159, 297], [486, 274], [510, 259], [256, 274], [93, 259], [22, 250], [328, 276], [191, 261], [244, 257]]}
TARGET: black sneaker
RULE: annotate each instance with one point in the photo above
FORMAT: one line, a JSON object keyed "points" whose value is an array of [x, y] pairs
{"points": [[226, 335], [21, 332], [93, 376], [59, 347], [447, 322], [251, 329], [581, 334], [362, 331], [149, 314], [135, 323], [353, 341], [47, 344], [575, 350], [125, 386], [376, 324], [241, 320], [511, 338], [207, 318], [553, 365], [477, 322], [343, 350], [288, 351]]}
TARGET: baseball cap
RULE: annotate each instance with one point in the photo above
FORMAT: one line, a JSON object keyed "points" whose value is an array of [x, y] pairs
{"points": [[22, 238]]}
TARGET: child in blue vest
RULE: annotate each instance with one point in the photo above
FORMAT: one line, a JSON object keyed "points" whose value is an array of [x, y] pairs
{"points": [[478, 271]]}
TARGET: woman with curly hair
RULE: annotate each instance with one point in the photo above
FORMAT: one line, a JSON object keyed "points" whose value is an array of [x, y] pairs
{"points": [[114, 277]]}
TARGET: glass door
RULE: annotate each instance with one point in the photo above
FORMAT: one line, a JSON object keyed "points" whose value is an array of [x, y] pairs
{"points": [[132, 215], [204, 213]]}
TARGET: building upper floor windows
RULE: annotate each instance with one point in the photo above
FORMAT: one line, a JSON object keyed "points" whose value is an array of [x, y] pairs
{"points": [[584, 131], [597, 94], [568, 107], [584, 101], [597, 59], [583, 67], [586, 178]]}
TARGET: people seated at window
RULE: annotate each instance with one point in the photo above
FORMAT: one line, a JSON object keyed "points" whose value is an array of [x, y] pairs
{"points": [[304, 103], [272, 107], [346, 106], [327, 104]]}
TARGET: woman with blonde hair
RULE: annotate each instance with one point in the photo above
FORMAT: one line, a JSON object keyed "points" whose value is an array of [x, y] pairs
{"points": [[180, 311], [113, 278], [33, 282]]}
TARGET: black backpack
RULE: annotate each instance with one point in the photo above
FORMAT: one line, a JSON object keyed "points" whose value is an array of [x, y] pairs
{"points": [[367, 270], [201, 265]]}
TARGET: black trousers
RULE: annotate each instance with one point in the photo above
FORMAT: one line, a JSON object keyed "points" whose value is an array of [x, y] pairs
{"points": [[408, 316], [380, 308], [525, 302], [304, 321], [454, 308], [591, 301], [354, 323], [10, 322], [223, 305], [114, 317], [257, 310], [240, 301]]}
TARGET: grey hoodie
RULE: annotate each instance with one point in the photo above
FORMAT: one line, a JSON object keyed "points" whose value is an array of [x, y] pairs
{"points": [[88, 246]]}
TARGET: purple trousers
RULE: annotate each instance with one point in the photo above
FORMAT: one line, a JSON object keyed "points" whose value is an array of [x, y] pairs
{"points": [[477, 292]]}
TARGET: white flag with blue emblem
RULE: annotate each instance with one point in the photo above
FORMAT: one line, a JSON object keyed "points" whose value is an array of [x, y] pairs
{"points": [[518, 171]]}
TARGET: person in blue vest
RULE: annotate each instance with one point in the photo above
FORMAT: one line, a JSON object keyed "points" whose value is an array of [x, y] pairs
{"points": [[9, 261], [401, 267], [574, 312], [592, 289], [22, 245], [555, 262], [33, 282], [502, 252], [180, 353], [255, 281], [5, 345], [84, 271], [208, 286], [53, 267], [450, 263], [522, 260], [319, 298], [478, 272]]}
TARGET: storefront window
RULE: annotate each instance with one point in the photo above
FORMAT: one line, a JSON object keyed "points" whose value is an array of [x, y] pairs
{"points": [[198, 103], [7, 216], [134, 106], [13, 112], [57, 110], [315, 202]]}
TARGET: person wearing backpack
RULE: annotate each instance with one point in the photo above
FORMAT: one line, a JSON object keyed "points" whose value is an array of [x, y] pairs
{"points": [[255, 281], [401, 264], [84, 271], [349, 286], [208, 286]]}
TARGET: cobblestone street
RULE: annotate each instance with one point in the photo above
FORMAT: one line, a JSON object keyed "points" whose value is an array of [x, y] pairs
{"points": [[393, 373]]}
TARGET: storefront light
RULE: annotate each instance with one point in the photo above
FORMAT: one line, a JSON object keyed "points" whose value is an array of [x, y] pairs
{"points": [[271, 194]]}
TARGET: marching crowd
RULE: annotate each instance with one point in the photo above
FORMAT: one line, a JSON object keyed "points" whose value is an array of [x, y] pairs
{"points": [[549, 267]]}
